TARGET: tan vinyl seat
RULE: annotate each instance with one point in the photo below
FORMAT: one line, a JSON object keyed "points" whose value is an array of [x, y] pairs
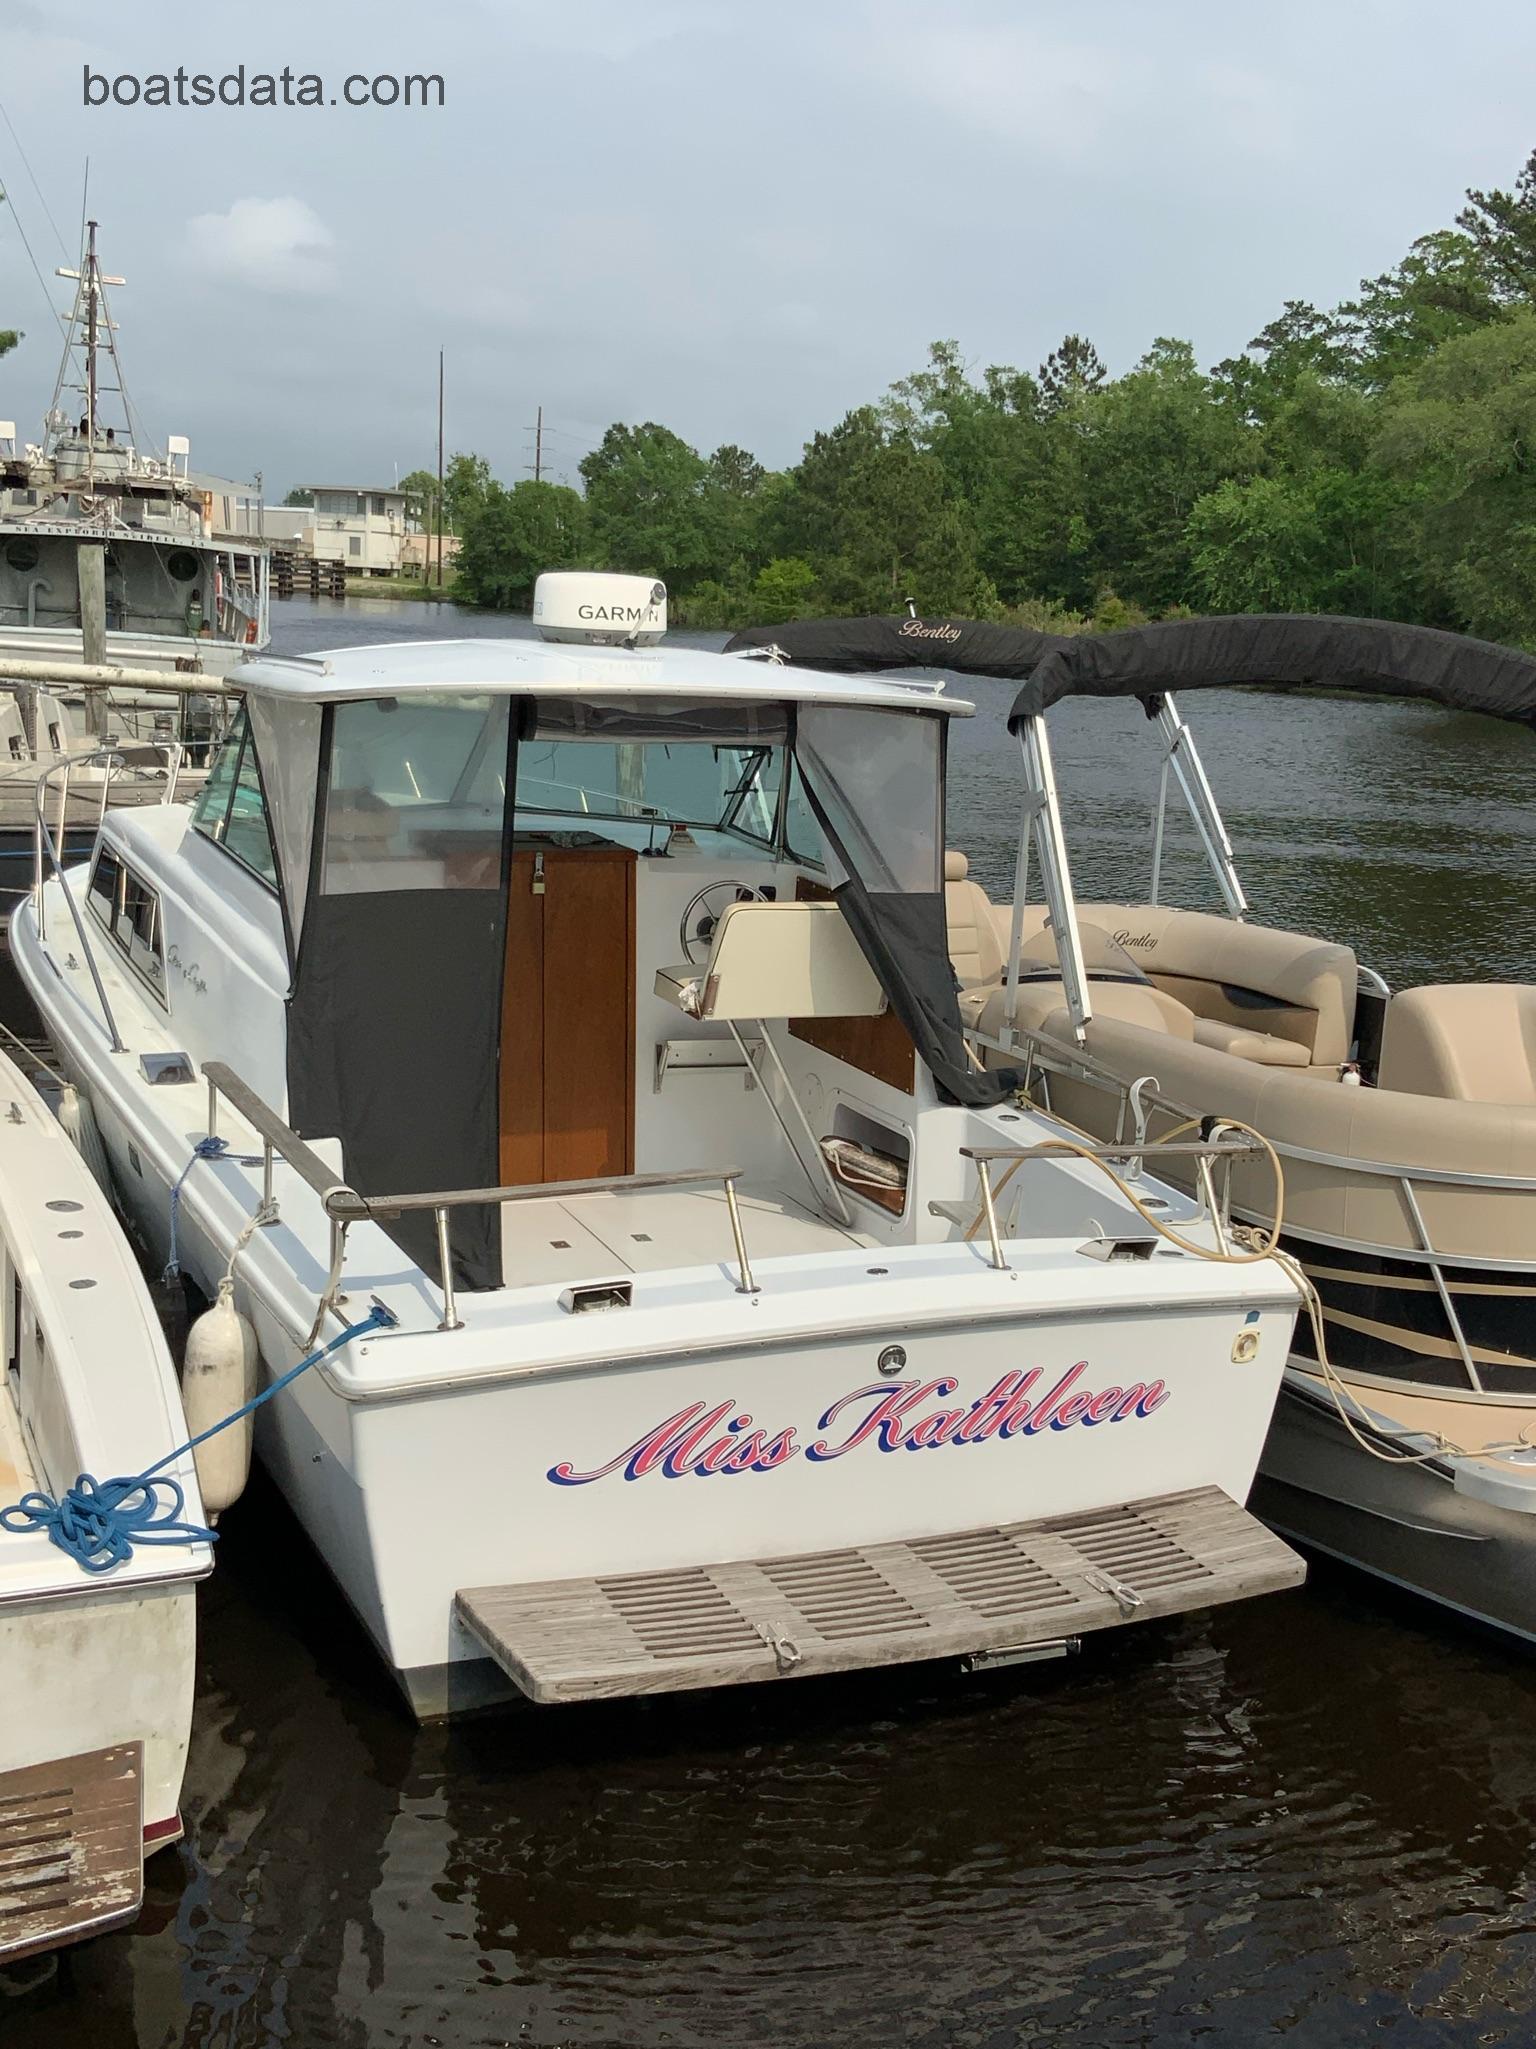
{"points": [[975, 950], [1470, 1042], [1254, 980], [1263, 1047], [1117, 987], [1278, 999]]}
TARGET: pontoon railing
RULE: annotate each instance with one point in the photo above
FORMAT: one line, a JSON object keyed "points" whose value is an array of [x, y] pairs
{"points": [[345, 1206], [1045, 1056]]}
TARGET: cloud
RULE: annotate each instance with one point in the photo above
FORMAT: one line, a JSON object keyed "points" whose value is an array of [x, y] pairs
{"points": [[277, 245]]}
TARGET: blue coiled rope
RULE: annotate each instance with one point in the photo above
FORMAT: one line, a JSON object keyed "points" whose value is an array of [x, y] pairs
{"points": [[101, 1523]]}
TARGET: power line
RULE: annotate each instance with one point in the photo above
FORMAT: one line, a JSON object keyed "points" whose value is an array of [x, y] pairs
{"points": [[42, 202], [53, 310]]}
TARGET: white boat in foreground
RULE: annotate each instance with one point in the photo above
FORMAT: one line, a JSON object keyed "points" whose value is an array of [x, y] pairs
{"points": [[579, 1020], [96, 1670]]}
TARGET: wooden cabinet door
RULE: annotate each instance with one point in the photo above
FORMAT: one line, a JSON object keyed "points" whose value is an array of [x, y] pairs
{"points": [[568, 1012]]}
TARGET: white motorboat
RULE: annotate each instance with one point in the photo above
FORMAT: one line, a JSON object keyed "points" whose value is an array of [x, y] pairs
{"points": [[97, 1665], [570, 1032], [1406, 1120]]}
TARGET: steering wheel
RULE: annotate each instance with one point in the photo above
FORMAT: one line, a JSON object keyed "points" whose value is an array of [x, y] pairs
{"points": [[704, 910]]}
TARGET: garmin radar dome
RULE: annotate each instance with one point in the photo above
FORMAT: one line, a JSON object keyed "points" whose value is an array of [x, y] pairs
{"points": [[600, 610]]}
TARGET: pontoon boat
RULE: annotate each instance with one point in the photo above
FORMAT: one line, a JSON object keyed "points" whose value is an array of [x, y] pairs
{"points": [[1406, 1121]]}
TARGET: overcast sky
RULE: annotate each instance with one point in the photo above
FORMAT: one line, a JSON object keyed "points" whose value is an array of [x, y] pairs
{"points": [[738, 220]]}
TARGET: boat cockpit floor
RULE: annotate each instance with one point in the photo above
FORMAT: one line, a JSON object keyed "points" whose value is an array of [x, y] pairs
{"points": [[587, 1237]]}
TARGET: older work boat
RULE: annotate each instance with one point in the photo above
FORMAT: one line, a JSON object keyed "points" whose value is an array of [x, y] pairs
{"points": [[111, 575], [1406, 1121], [572, 1025]]}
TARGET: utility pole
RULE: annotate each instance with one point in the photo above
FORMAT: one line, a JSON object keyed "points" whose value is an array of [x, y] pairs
{"points": [[439, 469], [538, 448]]}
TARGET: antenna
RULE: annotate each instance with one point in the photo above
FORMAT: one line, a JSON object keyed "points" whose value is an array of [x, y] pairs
{"points": [[89, 329]]}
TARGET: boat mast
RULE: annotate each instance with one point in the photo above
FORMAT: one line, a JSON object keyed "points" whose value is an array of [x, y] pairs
{"points": [[90, 327], [91, 290]]}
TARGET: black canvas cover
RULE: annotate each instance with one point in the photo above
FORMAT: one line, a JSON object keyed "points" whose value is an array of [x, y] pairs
{"points": [[1376, 656], [392, 1048], [967, 647], [905, 939], [890, 888]]}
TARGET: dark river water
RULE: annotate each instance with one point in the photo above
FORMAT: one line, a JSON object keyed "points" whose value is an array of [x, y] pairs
{"points": [[1312, 1816]]}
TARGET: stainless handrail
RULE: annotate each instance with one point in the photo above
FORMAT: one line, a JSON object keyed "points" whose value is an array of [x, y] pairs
{"points": [[109, 759], [1202, 1151], [345, 1205], [43, 843]]}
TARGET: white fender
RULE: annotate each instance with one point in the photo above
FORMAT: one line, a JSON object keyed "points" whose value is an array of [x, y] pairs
{"points": [[79, 1120], [219, 1372]]}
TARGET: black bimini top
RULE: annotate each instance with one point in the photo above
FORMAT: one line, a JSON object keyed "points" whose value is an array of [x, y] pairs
{"points": [[965, 647], [1376, 656]]}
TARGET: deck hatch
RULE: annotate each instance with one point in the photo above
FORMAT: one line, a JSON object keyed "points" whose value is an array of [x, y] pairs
{"points": [[953, 1595]]}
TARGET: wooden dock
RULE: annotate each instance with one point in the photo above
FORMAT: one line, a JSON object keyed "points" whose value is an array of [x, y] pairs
{"points": [[297, 574]]}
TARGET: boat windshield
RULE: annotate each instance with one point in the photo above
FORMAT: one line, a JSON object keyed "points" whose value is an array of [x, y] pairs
{"points": [[642, 784], [417, 788]]}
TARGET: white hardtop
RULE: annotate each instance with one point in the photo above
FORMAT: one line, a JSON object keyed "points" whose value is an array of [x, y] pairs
{"points": [[546, 669]]}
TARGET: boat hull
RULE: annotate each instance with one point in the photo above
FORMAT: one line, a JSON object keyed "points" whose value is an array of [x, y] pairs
{"points": [[107, 1666], [551, 1472], [1410, 1524]]}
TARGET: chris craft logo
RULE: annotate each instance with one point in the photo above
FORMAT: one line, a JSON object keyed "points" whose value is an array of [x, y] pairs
{"points": [[699, 1442], [190, 972]]}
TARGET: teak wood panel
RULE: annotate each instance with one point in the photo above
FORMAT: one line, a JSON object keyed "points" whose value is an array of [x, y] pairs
{"points": [[952, 1595], [71, 1849], [568, 1017], [881, 1046]]}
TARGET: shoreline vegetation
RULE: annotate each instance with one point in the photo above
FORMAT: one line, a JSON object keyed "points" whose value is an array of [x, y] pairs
{"points": [[1377, 459]]}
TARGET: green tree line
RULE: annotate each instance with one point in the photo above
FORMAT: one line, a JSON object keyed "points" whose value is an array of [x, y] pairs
{"points": [[1376, 458]]}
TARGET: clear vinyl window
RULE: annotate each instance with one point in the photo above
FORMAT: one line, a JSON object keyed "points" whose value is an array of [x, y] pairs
{"points": [[417, 793], [231, 809]]}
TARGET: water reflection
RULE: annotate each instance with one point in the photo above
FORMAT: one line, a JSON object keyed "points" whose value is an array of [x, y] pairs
{"points": [[1313, 1814]]}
